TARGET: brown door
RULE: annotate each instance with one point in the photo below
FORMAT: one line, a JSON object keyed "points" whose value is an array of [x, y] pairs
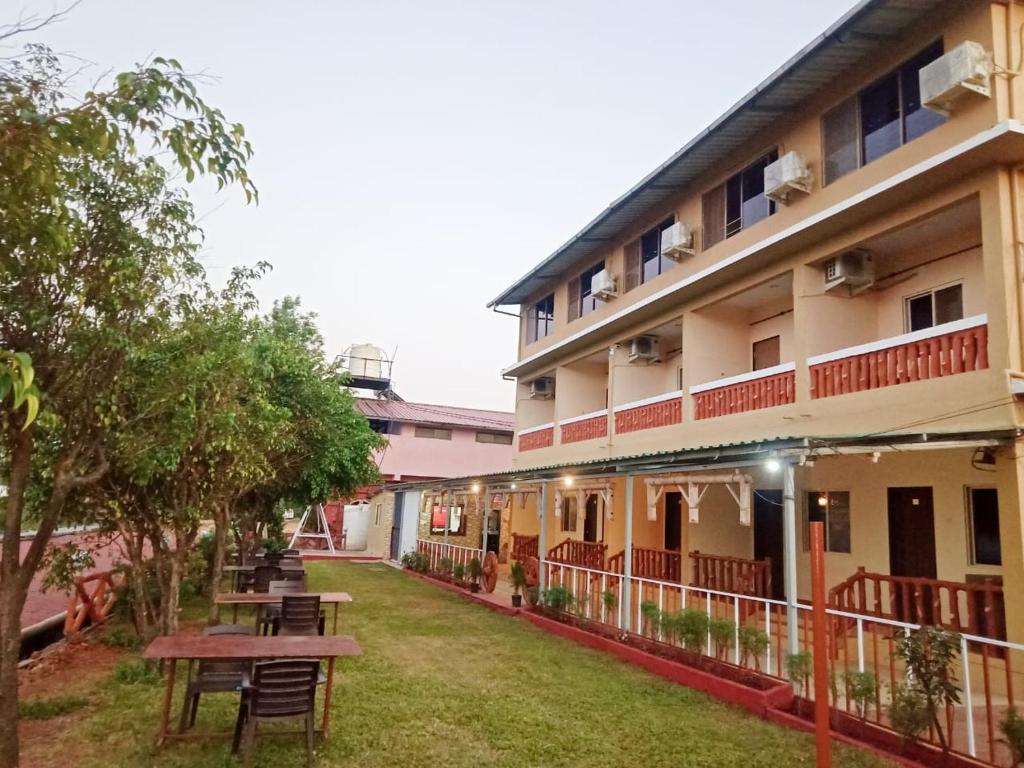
{"points": [[673, 521], [911, 546], [768, 537], [592, 520]]}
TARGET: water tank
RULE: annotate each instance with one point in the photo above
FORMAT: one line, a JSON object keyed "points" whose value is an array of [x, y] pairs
{"points": [[365, 361]]}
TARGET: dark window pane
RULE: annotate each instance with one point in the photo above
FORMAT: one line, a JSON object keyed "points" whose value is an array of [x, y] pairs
{"points": [[733, 205], [985, 526], [949, 304], [838, 521], [917, 120], [919, 312], [755, 205], [842, 151], [766, 353], [880, 118], [650, 254]]}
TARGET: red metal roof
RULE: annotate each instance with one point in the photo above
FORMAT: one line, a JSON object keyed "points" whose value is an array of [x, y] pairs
{"points": [[447, 415]]}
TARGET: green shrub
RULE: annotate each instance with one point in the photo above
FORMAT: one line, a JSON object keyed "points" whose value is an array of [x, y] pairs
{"points": [[445, 566], [799, 667], [557, 599], [475, 570], [459, 572], [609, 600], [909, 712], [722, 633], [1012, 728], [47, 709], [136, 673], [753, 644], [693, 628], [931, 654], [651, 618], [861, 689], [517, 577], [119, 637]]}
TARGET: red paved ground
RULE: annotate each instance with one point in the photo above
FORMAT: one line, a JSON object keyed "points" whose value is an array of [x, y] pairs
{"points": [[42, 605]]}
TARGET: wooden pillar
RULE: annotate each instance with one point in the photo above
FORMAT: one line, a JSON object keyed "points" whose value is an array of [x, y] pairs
{"points": [[484, 514], [820, 622], [542, 549], [626, 593]]}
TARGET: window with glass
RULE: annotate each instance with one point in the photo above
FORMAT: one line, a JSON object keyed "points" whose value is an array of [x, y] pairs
{"points": [[433, 433], [644, 261], [737, 204], [884, 116], [569, 513], [833, 509], [581, 299], [497, 438], [540, 319], [942, 305], [456, 520], [983, 526]]}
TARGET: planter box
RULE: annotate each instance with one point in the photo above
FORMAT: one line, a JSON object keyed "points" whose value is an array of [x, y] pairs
{"points": [[758, 700]]}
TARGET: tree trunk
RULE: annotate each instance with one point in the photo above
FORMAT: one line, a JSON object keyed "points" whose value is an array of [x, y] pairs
{"points": [[220, 542]]}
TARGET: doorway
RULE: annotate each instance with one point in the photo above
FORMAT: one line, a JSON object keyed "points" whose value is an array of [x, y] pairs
{"points": [[592, 519], [396, 527], [674, 521], [493, 539], [912, 544], [768, 537]]}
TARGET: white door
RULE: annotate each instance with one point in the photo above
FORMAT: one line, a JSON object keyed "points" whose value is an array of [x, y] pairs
{"points": [[357, 522]]}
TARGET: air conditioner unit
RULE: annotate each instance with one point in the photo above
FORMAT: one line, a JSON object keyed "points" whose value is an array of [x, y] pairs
{"points": [[962, 71], [602, 285], [850, 273], [542, 388], [677, 241], [643, 349], [785, 176]]}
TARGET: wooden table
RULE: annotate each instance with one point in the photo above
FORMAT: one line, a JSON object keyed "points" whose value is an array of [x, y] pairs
{"points": [[284, 565], [235, 599], [247, 648]]}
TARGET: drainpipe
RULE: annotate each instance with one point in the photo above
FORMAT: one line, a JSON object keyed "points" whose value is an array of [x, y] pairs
{"points": [[626, 593], [611, 395], [789, 555], [542, 549], [447, 507]]}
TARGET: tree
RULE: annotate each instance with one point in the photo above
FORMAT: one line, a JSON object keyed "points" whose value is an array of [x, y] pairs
{"points": [[95, 249]]}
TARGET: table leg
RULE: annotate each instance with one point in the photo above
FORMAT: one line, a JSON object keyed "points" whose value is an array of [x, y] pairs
{"points": [[234, 614], [165, 714], [326, 725], [336, 606]]}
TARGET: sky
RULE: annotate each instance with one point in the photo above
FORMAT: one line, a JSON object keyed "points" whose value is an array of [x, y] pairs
{"points": [[414, 158]]}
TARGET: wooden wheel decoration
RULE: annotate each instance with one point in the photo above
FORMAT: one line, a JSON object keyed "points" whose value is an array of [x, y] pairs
{"points": [[531, 566], [490, 572]]}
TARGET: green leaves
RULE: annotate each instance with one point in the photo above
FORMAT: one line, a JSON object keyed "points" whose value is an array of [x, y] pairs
{"points": [[18, 391]]}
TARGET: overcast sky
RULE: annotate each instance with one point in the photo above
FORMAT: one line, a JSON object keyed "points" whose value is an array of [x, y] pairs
{"points": [[416, 157]]}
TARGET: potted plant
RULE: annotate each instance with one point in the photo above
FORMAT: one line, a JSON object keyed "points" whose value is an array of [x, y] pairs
{"points": [[517, 578], [459, 574], [273, 547], [475, 571], [444, 569]]}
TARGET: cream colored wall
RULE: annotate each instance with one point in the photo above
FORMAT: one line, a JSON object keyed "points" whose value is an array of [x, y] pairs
{"points": [[579, 389], [802, 132], [530, 412], [636, 382]]}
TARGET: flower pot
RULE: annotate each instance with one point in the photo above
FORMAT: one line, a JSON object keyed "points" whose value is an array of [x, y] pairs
{"points": [[273, 559], [474, 587], [517, 601]]}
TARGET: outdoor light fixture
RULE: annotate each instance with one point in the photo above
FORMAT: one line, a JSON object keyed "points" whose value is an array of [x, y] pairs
{"points": [[875, 456], [512, 486], [773, 464], [822, 500], [567, 481], [476, 487]]}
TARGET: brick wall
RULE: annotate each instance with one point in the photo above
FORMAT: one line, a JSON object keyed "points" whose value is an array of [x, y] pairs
{"points": [[649, 416], [474, 521], [378, 534]]}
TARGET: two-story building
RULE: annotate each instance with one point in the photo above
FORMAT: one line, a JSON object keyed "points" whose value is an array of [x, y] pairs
{"points": [[810, 312]]}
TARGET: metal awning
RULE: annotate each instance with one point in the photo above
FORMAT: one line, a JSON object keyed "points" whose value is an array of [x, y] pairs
{"points": [[868, 27]]}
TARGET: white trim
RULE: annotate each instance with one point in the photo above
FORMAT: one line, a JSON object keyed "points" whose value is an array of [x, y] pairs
{"points": [[540, 427], [896, 341], [990, 134], [677, 395], [584, 417], [740, 378]]}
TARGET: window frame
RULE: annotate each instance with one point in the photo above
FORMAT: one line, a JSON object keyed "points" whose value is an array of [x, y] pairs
{"points": [[972, 547], [633, 256], [718, 195], [899, 73], [907, 324], [421, 432], [376, 515], [537, 320], [566, 507], [456, 510], [578, 296], [506, 438], [808, 506]]}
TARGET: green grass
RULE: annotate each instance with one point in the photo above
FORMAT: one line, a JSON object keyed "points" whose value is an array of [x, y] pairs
{"points": [[443, 682], [47, 709]]}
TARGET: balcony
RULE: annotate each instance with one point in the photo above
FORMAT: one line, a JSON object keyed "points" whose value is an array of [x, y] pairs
{"points": [[650, 412], [541, 436], [752, 391], [589, 426], [944, 350]]}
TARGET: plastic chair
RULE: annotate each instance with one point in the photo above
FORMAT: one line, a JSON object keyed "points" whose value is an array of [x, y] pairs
{"points": [[271, 613], [300, 615], [211, 677], [262, 575], [282, 689], [228, 629]]}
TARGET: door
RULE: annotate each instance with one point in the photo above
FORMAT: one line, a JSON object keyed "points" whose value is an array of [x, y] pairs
{"points": [[592, 520], [911, 545], [674, 521], [768, 537], [493, 543], [396, 527]]}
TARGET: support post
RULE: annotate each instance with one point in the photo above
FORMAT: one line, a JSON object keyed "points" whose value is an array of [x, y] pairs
{"points": [[789, 556], [542, 549], [820, 641], [485, 503], [626, 592], [446, 505]]}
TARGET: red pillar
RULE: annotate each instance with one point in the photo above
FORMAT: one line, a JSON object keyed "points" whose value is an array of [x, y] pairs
{"points": [[819, 620]]}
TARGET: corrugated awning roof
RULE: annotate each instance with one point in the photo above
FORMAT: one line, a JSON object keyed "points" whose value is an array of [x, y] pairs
{"points": [[445, 415], [867, 27], [725, 454]]}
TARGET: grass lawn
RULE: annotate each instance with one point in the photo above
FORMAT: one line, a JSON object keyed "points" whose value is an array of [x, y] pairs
{"points": [[443, 682]]}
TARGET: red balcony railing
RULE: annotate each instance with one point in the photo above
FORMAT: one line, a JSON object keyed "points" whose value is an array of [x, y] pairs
{"points": [[660, 411], [732, 574], [658, 564], [537, 437], [587, 427], [944, 350], [747, 392], [524, 546], [587, 554]]}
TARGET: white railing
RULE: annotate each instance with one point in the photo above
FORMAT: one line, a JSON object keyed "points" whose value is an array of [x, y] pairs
{"points": [[858, 643], [439, 550]]}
